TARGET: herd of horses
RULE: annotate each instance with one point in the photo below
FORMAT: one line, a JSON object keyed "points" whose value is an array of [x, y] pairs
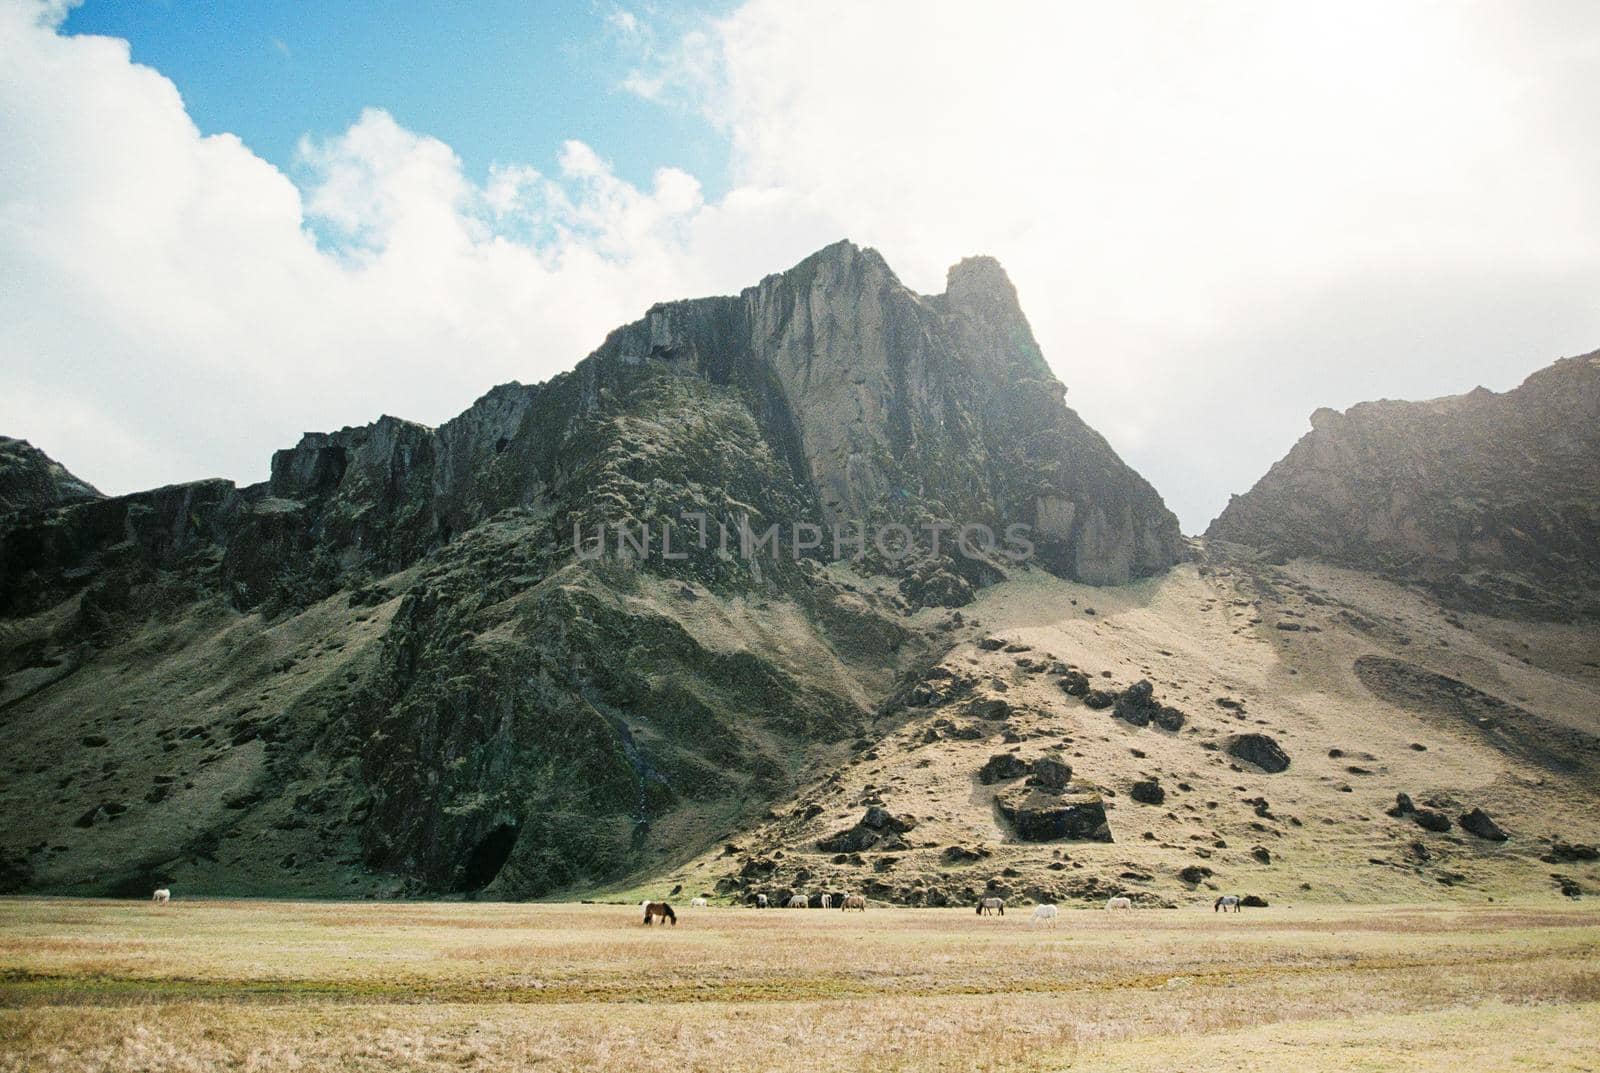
{"points": [[1042, 914], [1046, 914]]}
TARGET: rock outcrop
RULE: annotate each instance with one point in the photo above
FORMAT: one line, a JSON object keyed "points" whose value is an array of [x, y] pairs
{"points": [[1487, 499], [496, 655], [31, 481]]}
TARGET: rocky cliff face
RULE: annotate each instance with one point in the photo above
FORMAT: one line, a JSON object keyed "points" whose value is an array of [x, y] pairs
{"points": [[30, 480], [388, 667], [1487, 499]]}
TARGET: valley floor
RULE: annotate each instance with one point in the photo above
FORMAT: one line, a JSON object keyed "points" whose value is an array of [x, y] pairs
{"points": [[258, 985]]}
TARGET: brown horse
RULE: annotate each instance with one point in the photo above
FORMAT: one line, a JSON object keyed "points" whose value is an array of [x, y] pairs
{"points": [[661, 910]]}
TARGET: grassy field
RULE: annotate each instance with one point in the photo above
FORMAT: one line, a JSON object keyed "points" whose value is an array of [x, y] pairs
{"points": [[380, 986]]}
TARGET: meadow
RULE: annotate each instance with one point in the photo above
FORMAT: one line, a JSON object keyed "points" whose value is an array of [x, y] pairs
{"points": [[357, 986]]}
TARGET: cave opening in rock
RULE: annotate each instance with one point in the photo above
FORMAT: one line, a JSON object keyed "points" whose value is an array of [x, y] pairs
{"points": [[487, 858]]}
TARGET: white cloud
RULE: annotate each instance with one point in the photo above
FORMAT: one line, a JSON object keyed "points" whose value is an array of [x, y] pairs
{"points": [[175, 307], [1218, 218]]}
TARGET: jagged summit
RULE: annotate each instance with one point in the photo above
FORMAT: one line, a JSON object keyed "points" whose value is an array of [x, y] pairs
{"points": [[1486, 498], [30, 480]]}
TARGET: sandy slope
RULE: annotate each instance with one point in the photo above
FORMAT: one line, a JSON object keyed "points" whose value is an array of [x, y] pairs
{"points": [[1205, 631]]}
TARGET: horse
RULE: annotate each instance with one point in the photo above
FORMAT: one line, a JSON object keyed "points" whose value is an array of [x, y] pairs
{"points": [[698, 903], [1226, 902], [798, 901], [1119, 902], [761, 901], [1044, 914], [661, 910], [854, 901], [162, 896], [992, 906], [827, 901]]}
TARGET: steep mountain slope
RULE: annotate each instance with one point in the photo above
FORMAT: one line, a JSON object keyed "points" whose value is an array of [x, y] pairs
{"points": [[1488, 500], [390, 668]]}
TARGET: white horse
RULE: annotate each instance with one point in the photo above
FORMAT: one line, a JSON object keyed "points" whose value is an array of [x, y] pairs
{"points": [[761, 901], [162, 896], [1119, 902], [1044, 914], [698, 903], [827, 901], [798, 901], [992, 906], [1225, 903]]}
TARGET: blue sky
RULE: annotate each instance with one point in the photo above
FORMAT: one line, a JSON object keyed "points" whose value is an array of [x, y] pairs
{"points": [[499, 81]]}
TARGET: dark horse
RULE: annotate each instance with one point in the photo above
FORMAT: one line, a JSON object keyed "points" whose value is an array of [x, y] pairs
{"points": [[660, 909]]}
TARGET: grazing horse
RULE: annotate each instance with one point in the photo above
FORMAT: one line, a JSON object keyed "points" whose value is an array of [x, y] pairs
{"points": [[1119, 902], [992, 906], [761, 901], [698, 903], [162, 896], [1044, 914], [798, 901], [827, 901], [854, 901], [661, 910], [1226, 902]]}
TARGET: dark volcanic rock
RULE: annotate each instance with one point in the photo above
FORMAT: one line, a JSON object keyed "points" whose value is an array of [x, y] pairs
{"points": [[1487, 499], [1099, 698], [1000, 767], [1137, 705], [1562, 852], [1402, 805], [877, 829], [1039, 815], [1147, 792], [1261, 750], [1050, 772], [32, 481], [1477, 822], [1429, 820]]}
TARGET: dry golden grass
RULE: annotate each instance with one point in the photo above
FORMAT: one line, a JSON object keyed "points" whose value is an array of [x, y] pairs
{"points": [[382, 986]]}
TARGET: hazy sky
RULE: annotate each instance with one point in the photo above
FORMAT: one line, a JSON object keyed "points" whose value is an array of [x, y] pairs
{"points": [[219, 229]]}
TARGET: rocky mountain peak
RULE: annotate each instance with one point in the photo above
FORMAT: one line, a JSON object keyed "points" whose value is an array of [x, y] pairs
{"points": [[1485, 498], [31, 480]]}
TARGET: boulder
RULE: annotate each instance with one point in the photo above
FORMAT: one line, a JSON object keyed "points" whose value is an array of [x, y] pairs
{"points": [[1099, 699], [1001, 767], [1194, 873], [1261, 750], [1039, 815], [877, 830], [1137, 705], [1253, 901], [1148, 792], [1050, 772], [1402, 805], [1561, 852], [989, 708], [1477, 822], [1074, 684], [1429, 820]]}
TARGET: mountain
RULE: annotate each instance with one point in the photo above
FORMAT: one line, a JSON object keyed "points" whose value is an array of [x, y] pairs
{"points": [[395, 667], [30, 480], [1489, 500]]}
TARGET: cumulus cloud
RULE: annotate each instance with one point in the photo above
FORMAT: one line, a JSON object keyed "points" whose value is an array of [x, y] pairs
{"points": [[1218, 218], [175, 307]]}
